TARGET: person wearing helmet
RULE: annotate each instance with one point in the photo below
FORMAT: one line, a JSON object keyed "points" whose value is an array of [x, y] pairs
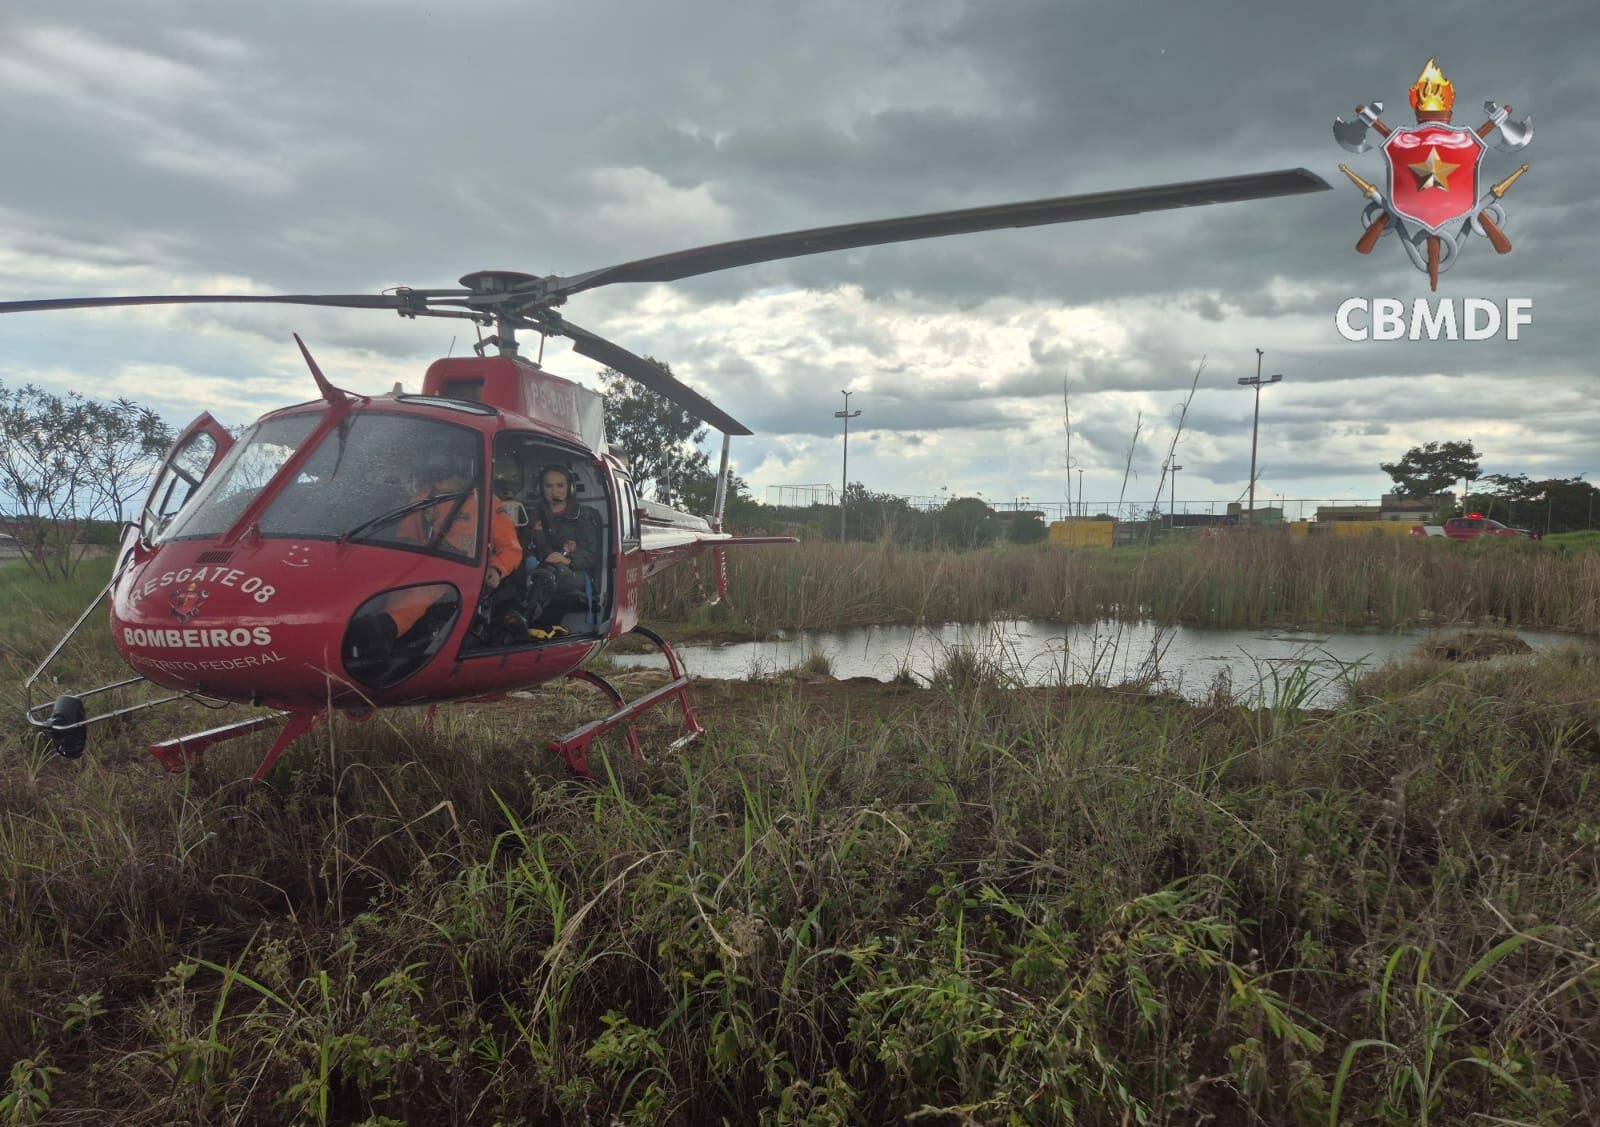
{"points": [[451, 526], [508, 488]]}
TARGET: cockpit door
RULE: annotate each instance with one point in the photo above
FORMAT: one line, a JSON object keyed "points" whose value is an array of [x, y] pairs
{"points": [[192, 457]]}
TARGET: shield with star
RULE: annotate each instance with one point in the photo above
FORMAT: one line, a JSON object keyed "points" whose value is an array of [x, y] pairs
{"points": [[1433, 173]]}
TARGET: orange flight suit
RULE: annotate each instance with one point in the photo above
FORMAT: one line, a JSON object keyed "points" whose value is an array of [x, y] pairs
{"points": [[505, 551]]}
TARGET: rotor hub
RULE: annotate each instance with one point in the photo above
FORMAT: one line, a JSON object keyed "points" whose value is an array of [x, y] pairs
{"points": [[488, 282]]}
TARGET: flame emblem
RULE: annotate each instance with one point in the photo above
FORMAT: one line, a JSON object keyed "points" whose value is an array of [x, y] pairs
{"points": [[187, 601]]}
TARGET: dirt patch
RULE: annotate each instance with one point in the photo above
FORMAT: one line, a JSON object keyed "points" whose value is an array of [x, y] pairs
{"points": [[740, 705], [732, 709], [1473, 645]]}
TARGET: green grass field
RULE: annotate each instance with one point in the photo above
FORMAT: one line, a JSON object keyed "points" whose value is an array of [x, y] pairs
{"points": [[1589, 540], [848, 904]]}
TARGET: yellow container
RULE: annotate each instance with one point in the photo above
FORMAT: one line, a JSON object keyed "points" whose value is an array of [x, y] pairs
{"points": [[1390, 528], [1082, 533]]}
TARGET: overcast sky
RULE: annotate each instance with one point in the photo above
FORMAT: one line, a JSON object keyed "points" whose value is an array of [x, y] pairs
{"points": [[351, 146]]}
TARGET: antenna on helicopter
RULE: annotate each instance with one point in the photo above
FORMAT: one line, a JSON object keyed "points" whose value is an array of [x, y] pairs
{"points": [[336, 396]]}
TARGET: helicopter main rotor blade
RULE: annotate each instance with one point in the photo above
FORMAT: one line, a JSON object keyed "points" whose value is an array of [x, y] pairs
{"points": [[346, 301], [847, 236], [652, 376]]}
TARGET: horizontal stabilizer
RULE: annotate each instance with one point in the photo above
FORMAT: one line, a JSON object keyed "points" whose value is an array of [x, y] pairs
{"points": [[661, 537]]}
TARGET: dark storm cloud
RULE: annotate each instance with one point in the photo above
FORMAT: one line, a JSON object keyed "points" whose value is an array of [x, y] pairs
{"points": [[302, 147]]}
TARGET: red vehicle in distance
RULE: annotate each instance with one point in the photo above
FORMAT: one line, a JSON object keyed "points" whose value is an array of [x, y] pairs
{"points": [[1471, 527]]}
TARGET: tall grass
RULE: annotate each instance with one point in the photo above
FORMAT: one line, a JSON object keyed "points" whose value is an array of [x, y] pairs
{"points": [[849, 904], [1236, 581]]}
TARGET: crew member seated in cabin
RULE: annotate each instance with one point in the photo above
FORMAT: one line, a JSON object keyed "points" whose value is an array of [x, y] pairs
{"points": [[564, 547], [508, 491], [451, 525]]}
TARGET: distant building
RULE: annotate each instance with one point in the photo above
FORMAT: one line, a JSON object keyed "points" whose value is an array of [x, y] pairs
{"points": [[1327, 514], [1263, 514], [1199, 520], [1390, 507], [1399, 507]]}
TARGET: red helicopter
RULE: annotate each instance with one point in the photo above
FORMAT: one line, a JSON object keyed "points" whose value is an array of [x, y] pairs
{"points": [[335, 555]]}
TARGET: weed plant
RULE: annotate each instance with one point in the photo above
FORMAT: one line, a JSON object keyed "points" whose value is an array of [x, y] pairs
{"points": [[848, 904]]}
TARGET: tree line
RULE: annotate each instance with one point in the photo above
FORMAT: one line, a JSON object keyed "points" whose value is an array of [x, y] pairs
{"points": [[961, 522], [1556, 504]]}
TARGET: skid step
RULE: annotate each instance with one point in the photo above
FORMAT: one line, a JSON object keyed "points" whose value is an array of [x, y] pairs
{"points": [[574, 746]]}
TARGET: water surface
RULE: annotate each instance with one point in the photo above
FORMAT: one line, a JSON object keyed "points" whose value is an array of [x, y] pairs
{"points": [[1254, 664]]}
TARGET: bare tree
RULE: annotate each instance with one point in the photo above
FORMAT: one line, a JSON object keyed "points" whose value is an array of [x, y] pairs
{"points": [[68, 461], [1172, 450]]}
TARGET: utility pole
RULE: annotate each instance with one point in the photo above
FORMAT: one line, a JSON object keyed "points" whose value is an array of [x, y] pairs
{"points": [[844, 486], [1172, 498], [1256, 381]]}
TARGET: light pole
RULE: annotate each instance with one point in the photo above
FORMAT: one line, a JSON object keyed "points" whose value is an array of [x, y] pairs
{"points": [[1256, 381], [1172, 498], [844, 483]]}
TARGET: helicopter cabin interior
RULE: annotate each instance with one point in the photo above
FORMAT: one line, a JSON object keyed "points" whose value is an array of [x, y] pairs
{"points": [[521, 460], [571, 419]]}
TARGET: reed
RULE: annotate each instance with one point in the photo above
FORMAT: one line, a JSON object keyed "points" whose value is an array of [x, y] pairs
{"points": [[1237, 581]]}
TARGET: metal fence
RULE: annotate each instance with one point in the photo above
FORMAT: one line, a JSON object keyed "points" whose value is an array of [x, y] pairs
{"points": [[1293, 508]]}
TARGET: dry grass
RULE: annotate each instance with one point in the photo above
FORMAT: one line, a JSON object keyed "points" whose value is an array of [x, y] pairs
{"points": [[848, 904], [1236, 581]]}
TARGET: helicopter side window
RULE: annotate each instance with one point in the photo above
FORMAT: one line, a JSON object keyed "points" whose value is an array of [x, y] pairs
{"points": [[180, 477], [245, 469], [629, 514]]}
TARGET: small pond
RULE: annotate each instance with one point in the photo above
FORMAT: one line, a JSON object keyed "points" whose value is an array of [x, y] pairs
{"points": [[1254, 664]]}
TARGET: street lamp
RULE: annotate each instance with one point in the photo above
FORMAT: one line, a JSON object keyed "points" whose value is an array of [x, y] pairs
{"points": [[1256, 381], [844, 484], [1172, 497]]}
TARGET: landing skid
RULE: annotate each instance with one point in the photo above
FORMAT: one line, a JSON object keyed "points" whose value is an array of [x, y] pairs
{"points": [[573, 748], [66, 720], [173, 754]]}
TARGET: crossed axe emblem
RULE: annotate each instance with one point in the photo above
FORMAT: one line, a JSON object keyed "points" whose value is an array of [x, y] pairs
{"points": [[1430, 252]]}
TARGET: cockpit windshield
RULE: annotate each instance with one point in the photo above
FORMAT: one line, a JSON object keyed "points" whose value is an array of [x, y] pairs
{"points": [[375, 477], [244, 471]]}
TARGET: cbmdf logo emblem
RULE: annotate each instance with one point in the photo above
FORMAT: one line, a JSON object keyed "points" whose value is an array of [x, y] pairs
{"points": [[1432, 198]]}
